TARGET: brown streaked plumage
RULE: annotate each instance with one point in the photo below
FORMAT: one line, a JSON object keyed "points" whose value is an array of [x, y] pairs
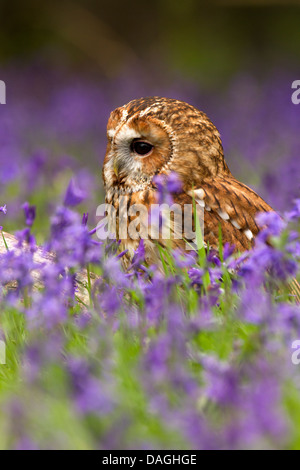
{"points": [[182, 139]]}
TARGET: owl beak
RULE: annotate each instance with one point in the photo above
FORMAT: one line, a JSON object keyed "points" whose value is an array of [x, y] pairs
{"points": [[116, 168]]}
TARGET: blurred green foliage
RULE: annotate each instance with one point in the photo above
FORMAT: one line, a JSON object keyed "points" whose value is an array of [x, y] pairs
{"points": [[208, 40]]}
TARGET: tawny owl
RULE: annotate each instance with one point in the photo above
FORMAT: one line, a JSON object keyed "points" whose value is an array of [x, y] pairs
{"points": [[157, 136]]}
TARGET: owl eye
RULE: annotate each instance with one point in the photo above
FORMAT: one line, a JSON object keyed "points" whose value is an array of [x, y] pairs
{"points": [[141, 147]]}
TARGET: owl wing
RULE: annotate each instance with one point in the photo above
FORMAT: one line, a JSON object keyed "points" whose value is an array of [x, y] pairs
{"points": [[232, 206]]}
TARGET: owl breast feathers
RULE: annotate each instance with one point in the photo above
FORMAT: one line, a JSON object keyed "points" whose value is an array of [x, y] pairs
{"points": [[157, 136]]}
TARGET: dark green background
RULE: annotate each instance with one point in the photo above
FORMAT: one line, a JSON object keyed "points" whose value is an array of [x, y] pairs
{"points": [[208, 41]]}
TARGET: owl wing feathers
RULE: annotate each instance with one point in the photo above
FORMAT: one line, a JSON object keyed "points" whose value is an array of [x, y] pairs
{"points": [[232, 206]]}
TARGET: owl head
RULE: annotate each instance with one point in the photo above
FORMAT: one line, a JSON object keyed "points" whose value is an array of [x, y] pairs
{"points": [[151, 136]]}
